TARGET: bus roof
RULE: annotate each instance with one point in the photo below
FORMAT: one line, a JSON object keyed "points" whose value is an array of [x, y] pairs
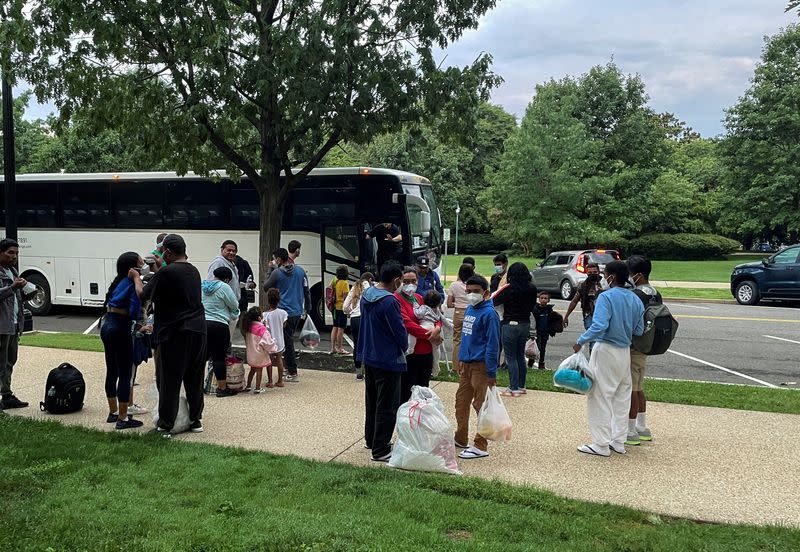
{"points": [[403, 176]]}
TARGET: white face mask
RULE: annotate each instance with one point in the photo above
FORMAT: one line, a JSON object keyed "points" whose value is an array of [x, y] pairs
{"points": [[409, 289], [604, 284], [144, 270], [474, 298]]}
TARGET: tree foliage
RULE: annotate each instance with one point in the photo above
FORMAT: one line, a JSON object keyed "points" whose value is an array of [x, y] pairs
{"points": [[762, 149]]}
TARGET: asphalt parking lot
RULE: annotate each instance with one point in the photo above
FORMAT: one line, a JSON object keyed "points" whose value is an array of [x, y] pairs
{"points": [[715, 342]]}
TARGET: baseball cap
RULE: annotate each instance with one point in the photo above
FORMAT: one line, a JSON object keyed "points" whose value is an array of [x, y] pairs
{"points": [[422, 260]]}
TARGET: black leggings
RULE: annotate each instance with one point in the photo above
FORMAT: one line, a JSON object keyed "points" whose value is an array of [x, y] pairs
{"points": [[355, 327], [218, 343], [419, 369], [118, 347]]}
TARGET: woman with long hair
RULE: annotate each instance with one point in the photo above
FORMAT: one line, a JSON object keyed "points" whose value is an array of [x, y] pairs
{"points": [[221, 308], [518, 299], [457, 300], [123, 308], [352, 308]]}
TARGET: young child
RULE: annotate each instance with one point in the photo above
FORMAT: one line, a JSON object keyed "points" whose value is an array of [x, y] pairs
{"points": [[275, 319], [259, 344], [541, 313], [428, 314], [341, 288]]}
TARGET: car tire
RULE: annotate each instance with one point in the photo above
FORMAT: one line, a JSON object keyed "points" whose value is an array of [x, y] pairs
{"points": [[567, 290], [747, 293], [42, 304]]}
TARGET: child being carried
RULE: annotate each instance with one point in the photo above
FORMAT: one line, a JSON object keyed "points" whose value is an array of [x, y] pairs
{"points": [[428, 314]]}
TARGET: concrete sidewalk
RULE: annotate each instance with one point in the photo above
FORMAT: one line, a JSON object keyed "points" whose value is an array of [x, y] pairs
{"points": [[691, 285], [706, 463]]}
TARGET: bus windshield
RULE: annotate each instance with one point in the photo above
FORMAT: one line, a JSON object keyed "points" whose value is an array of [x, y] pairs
{"points": [[418, 240]]}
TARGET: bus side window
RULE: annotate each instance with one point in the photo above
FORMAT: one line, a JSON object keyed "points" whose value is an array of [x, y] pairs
{"points": [[245, 208], [37, 203], [138, 204], [195, 204], [85, 204]]}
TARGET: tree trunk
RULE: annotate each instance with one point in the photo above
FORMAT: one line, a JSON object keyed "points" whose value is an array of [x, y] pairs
{"points": [[269, 236]]}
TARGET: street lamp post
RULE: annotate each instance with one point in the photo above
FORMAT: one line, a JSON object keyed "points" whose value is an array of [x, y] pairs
{"points": [[458, 210]]}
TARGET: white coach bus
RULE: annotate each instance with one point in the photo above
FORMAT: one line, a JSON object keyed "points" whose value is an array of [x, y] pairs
{"points": [[72, 227]]}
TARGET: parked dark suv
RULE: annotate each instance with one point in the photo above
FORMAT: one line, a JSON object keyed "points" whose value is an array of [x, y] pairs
{"points": [[776, 277]]}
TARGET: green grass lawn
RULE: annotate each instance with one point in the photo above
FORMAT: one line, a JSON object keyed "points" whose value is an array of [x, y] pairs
{"points": [[67, 488], [688, 293], [677, 271], [75, 341]]}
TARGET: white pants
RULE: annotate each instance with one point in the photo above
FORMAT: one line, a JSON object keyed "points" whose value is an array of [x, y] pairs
{"points": [[609, 401]]}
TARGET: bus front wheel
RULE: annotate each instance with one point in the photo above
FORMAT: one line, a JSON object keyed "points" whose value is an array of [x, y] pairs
{"points": [[40, 304]]}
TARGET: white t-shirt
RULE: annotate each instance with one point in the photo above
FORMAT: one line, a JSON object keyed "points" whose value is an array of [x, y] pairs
{"points": [[275, 321]]}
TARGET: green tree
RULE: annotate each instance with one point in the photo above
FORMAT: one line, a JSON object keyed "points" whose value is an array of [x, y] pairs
{"points": [[269, 85], [30, 136], [762, 148]]}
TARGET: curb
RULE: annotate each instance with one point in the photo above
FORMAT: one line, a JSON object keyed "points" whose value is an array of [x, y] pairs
{"points": [[700, 300]]}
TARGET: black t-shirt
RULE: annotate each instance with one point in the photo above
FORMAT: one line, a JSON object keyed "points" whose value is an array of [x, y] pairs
{"points": [[588, 292], [380, 233], [517, 306], [176, 295]]}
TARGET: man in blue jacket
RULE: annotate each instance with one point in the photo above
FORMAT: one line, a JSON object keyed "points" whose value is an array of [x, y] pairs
{"points": [[382, 344], [477, 367], [427, 279], [618, 316], [291, 281]]}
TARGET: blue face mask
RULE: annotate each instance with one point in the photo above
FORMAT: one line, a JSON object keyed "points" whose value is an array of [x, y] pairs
{"points": [[498, 269]]}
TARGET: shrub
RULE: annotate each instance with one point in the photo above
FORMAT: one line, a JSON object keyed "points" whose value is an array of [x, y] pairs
{"points": [[479, 244], [681, 247]]}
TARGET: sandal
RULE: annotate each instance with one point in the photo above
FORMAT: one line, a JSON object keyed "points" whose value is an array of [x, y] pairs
{"points": [[471, 453], [279, 384]]}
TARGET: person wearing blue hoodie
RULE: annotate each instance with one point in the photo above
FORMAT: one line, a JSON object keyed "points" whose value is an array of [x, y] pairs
{"points": [[477, 367], [221, 308], [382, 344]]}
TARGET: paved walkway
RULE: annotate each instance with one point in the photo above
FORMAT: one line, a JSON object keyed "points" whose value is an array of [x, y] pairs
{"points": [[706, 463]]}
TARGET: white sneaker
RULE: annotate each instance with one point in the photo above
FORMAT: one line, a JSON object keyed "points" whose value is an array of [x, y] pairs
{"points": [[258, 390], [135, 409], [619, 448]]}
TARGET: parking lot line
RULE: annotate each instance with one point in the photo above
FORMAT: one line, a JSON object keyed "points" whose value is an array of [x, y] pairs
{"points": [[742, 318], [782, 339], [728, 370]]}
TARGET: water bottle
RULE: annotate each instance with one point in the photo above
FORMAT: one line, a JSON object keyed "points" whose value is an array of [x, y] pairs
{"points": [[250, 283]]}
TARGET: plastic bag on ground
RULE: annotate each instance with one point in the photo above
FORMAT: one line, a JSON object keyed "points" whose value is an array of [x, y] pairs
{"points": [[181, 420], [494, 422], [309, 336], [572, 374], [424, 435], [234, 373], [531, 349]]}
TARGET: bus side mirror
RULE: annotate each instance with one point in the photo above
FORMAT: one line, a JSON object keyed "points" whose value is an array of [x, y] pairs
{"points": [[425, 219]]}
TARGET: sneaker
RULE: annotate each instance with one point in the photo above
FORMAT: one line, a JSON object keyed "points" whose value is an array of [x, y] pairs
{"points": [[258, 391], [294, 378], [633, 440], [644, 434], [164, 433], [385, 458], [359, 376], [522, 391], [135, 409], [227, 392], [130, 423], [507, 392], [11, 401], [619, 448], [112, 418], [196, 426]]}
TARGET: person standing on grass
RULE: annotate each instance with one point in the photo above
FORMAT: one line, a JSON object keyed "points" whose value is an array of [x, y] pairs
{"points": [[587, 296], [477, 366], [352, 308], [420, 361], [341, 288], [275, 318], [12, 319], [519, 301], [499, 277], [290, 279], [227, 258], [457, 300], [180, 335], [382, 344], [123, 308], [221, 310], [640, 269], [618, 316]]}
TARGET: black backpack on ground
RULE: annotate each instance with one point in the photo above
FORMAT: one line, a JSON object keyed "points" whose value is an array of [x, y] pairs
{"points": [[64, 390], [660, 328]]}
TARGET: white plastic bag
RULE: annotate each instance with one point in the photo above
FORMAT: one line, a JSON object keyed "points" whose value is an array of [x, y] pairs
{"points": [[493, 420], [424, 435], [309, 336], [576, 361], [531, 349], [181, 420]]}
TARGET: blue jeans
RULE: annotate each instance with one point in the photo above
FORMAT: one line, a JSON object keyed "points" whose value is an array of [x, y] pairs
{"points": [[514, 338]]}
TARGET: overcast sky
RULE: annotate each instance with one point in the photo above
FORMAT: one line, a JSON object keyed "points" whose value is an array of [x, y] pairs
{"points": [[696, 57]]}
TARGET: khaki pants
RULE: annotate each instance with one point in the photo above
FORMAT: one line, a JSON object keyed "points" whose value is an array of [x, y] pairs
{"points": [[472, 385], [638, 361], [458, 324]]}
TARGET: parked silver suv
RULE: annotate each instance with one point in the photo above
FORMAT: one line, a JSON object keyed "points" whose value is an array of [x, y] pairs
{"points": [[563, 271]]}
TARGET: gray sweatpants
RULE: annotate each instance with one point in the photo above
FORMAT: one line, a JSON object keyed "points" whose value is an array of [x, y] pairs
{"points": [[9, 348]]}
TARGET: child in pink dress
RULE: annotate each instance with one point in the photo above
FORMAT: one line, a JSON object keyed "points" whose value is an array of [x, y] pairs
{"points": [[259, 347]]}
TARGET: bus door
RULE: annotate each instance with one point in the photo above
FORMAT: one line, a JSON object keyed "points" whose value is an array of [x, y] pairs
{"points": [[341, 245]]}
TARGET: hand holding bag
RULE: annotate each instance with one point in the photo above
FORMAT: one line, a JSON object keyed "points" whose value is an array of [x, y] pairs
{"points": [[494, 422]]}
